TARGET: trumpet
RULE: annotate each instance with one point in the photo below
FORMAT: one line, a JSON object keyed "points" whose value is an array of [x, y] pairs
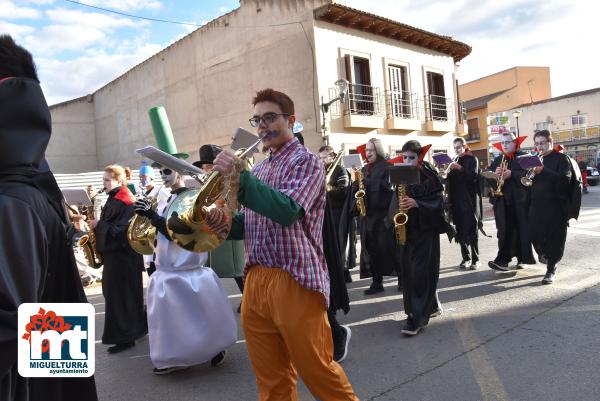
{"points": [[400, 218], [527, 180], [360, 194], [500, 179]]}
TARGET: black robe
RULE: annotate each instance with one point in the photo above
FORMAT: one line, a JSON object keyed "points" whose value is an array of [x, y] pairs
{"points": [[338, 295], [337, 199], [36, 257], [549, 207], [122, 284], [382, 257], [510, 212], [465, 199], [421, 253]]}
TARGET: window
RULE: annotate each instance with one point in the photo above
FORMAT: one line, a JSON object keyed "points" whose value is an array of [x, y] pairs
{"points": [[541, 126], [473, 126], [362, 96], [400, 99], [436, 96], [579, 120]]}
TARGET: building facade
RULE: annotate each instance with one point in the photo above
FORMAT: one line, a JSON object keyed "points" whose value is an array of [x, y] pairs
{"points": [[402, 85]]}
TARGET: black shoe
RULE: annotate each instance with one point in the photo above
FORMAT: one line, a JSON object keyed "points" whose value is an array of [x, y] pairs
{"points": [[411, 329], [340, 345], [219, 358], [166, 371], [438, 312], [503, 267], [120, 347], [347, 276], [465, 264], [374, 289], [548, 278]]}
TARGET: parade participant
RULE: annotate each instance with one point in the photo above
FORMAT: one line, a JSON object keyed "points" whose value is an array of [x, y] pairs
{"points": [[36, 257], [383, 256], [287, 287], [511, 207], [337, 191], [122, 285], [464, 193], [548, 212], [182, 292], [146, 179], [423, 204], [228, 259]]}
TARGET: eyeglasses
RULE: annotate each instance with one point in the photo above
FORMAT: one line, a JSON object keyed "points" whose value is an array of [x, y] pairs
{"points": [[506, 142], [267, 118], [166, 171]]}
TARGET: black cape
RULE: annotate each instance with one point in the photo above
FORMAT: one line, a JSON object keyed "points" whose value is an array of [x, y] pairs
{"points": [[36, 257], [464, 195], [122, 275], [510, 212], [421, 253], [379, 255], [338, 296], [548, 212]]}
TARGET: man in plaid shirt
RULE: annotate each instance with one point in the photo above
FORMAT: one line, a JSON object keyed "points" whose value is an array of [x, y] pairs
{"points": [[284, 305]]}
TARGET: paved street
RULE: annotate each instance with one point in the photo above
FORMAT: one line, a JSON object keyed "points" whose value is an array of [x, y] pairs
{"points": [[502, 337]]}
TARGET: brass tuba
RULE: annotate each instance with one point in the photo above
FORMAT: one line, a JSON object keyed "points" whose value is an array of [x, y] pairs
{"points": [[187, 215], [400, 218], [141, 233], [360, 194], [331, 168], [87, 242]]}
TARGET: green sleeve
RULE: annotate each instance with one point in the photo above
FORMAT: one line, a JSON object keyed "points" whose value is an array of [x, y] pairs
{"points": [[237, 226], [265, 200]]}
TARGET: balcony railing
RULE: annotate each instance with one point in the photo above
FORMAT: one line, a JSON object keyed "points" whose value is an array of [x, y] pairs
{"points": [[402, 104], [439, 108], [576, 134], [362, 100]]}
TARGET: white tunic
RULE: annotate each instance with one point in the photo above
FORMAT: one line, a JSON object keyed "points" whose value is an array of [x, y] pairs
{"points": [[190, 319]]}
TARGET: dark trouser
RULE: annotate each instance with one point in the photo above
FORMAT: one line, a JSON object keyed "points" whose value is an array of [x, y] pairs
{"points": [[240, 283], [464, 250], [511, 237], [336, 328]]}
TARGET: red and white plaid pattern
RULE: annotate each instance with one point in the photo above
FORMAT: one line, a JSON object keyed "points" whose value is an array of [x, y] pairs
{"points": [[298, 249]]}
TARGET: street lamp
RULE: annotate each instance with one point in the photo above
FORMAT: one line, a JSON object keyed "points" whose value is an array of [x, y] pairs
{"points": [[516, 115], [341, 87]]}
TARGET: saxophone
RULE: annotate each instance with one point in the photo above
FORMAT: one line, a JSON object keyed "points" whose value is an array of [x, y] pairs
{"points": [[400, 218], [87, 242], [360, 194], [331, 169]]}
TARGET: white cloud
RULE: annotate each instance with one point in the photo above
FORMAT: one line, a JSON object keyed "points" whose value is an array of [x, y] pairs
{"points": [[92, 19], [124, 5], [53, 39], [11, 11], [560, 34], [65, 80]]}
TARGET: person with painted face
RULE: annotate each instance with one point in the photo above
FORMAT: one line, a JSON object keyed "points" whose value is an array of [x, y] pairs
{"points": [[183, 292], [421, 254], [36, 257], [464, 194], [377, 239], [286, 291], [122, 275], [549, 209], [511, 209]]}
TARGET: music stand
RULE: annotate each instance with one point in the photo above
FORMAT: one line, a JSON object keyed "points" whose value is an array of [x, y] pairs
{"points": [[76, 196], [352, 161], [404, 175]]}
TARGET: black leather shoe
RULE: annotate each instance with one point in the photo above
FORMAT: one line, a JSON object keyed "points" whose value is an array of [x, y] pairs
{"points": [[374, 289], [503, 267], [120, 347]]}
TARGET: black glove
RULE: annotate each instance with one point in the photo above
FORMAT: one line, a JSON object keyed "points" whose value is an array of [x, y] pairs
{"points": [[143, 207]]}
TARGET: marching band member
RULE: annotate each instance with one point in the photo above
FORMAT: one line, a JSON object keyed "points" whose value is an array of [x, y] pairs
{"points": [[423, 204], [286, 292], [122, 274], [510, 207], [548, 212], [384, 258], [465, 202], [183, 293]]}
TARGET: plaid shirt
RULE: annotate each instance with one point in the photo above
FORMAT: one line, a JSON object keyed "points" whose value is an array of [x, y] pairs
{"points": [[297, 249]]}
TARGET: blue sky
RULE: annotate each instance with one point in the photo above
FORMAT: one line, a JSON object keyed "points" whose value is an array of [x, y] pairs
{"points": [[79, 49]]}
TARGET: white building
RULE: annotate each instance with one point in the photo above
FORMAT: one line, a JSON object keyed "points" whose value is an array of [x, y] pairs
{"points": [[402, 85]]}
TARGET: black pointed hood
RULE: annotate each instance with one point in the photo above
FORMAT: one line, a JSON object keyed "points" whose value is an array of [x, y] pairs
{"points": [[25, 124]]}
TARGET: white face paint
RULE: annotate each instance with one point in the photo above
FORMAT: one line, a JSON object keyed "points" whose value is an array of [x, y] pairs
{"points": [[109, 182], [508, 144], [459, 148], [371, 152], [410, 158], [168, 176]]}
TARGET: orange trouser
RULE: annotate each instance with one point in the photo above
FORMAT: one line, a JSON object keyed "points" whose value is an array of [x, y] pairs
{"points": [[286, 328]]}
